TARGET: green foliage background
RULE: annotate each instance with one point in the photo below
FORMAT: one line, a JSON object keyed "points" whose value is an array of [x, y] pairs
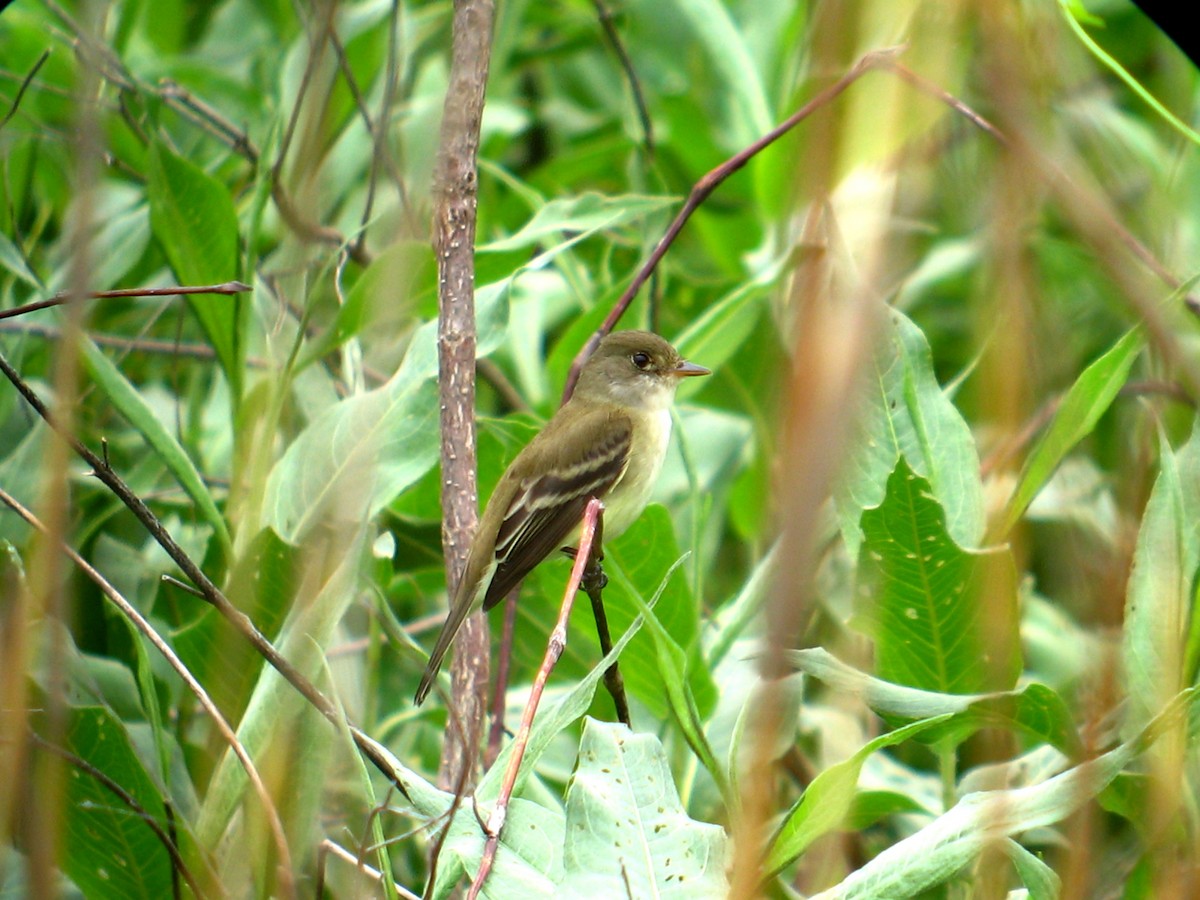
{"points": [[990, 685]]}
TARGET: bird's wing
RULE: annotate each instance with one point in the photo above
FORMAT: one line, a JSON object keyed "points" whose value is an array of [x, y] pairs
{"points": [[545, 509]]}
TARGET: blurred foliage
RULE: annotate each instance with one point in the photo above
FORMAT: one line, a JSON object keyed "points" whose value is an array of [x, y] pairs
{"points": [[991, 685]]}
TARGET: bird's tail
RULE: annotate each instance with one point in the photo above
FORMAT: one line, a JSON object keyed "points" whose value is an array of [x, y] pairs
{"points": [[458, 611]]}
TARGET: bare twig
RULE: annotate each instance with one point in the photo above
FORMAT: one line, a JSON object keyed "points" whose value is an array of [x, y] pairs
{"points": [[1050, 172], [64, 297], [709, 183], [494, 375], [635, 85], [211, 593], [558, 642], [187, 349], [207, 117], [593, 586], [16, 104], [227, 733], [129, 800], [500, 688]]}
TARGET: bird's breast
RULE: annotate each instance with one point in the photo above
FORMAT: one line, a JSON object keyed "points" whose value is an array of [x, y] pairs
{"points": [[630, 494]]}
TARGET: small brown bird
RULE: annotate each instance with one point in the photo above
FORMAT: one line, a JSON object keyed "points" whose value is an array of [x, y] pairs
{"points": [[608, 441]]}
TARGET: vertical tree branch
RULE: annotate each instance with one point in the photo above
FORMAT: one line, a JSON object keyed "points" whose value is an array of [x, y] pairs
{"points": [[455, 188]]}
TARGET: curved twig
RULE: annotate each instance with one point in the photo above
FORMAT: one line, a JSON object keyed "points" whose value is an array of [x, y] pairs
{"points": [[709, 183]]}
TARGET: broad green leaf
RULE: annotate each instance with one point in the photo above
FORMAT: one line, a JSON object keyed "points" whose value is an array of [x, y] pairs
{"points": [[276, 715], [583, 215], [550, 722], [870, 807], [352, 460], [720, 331], [942, 618], [626, 831], [528, 863], [828, 799], [262, 584], [904, 411], [129, 403], [357, 456], [955, 839], [1159, 595], [748, 114], [645, 553], [383, 297], [109, 850], [1084, 404], [1034, 709], [194, 220], [673, 670]]}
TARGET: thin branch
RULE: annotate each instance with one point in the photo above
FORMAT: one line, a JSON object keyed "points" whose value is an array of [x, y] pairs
{"points": [[188, 104], [593, 586], [186, 349], [500, 688], [1050, 171], [16, 104], [62, 298], [558, 642], [133, 615], [211, 593], [129, 800], [635, 85], [709, 183], [494, 375]]}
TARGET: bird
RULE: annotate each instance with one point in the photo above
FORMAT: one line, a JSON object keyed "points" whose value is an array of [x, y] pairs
{"points": [[607, 441]]}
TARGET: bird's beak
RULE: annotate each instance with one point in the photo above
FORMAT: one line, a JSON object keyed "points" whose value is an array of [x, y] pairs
{"points": [[687, 369]]}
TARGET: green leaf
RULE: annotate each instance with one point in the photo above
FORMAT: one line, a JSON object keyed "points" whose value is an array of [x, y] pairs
{"points": [[1159, 595], [262, 583], [748, 113], [1091, 394], [1040, 880], [645, 554], [354, 459], [828, 799], [719, 332], [1035, 709], [906, 412], [382, 298], [626, 831], [12, 260], [194, 220], [109, 850], [672, 669], [945, 846], [579, 216], [1074, 13], [276, 712], [942, 618], [137, 412], [550, 722]]}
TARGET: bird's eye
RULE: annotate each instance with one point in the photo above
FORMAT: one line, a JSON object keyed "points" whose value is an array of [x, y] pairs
{"points": [[641, 360]]}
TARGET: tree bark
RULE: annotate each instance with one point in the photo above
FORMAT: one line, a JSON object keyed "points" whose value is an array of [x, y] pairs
{"points": [[455, 189]]}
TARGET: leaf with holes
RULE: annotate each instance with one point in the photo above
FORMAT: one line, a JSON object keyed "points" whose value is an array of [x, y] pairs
{"points": [[627, 834], [943, 618], [906, 412]]}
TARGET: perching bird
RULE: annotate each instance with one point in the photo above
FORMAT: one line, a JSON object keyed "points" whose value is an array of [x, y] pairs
{"points": [[608, 441]]}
